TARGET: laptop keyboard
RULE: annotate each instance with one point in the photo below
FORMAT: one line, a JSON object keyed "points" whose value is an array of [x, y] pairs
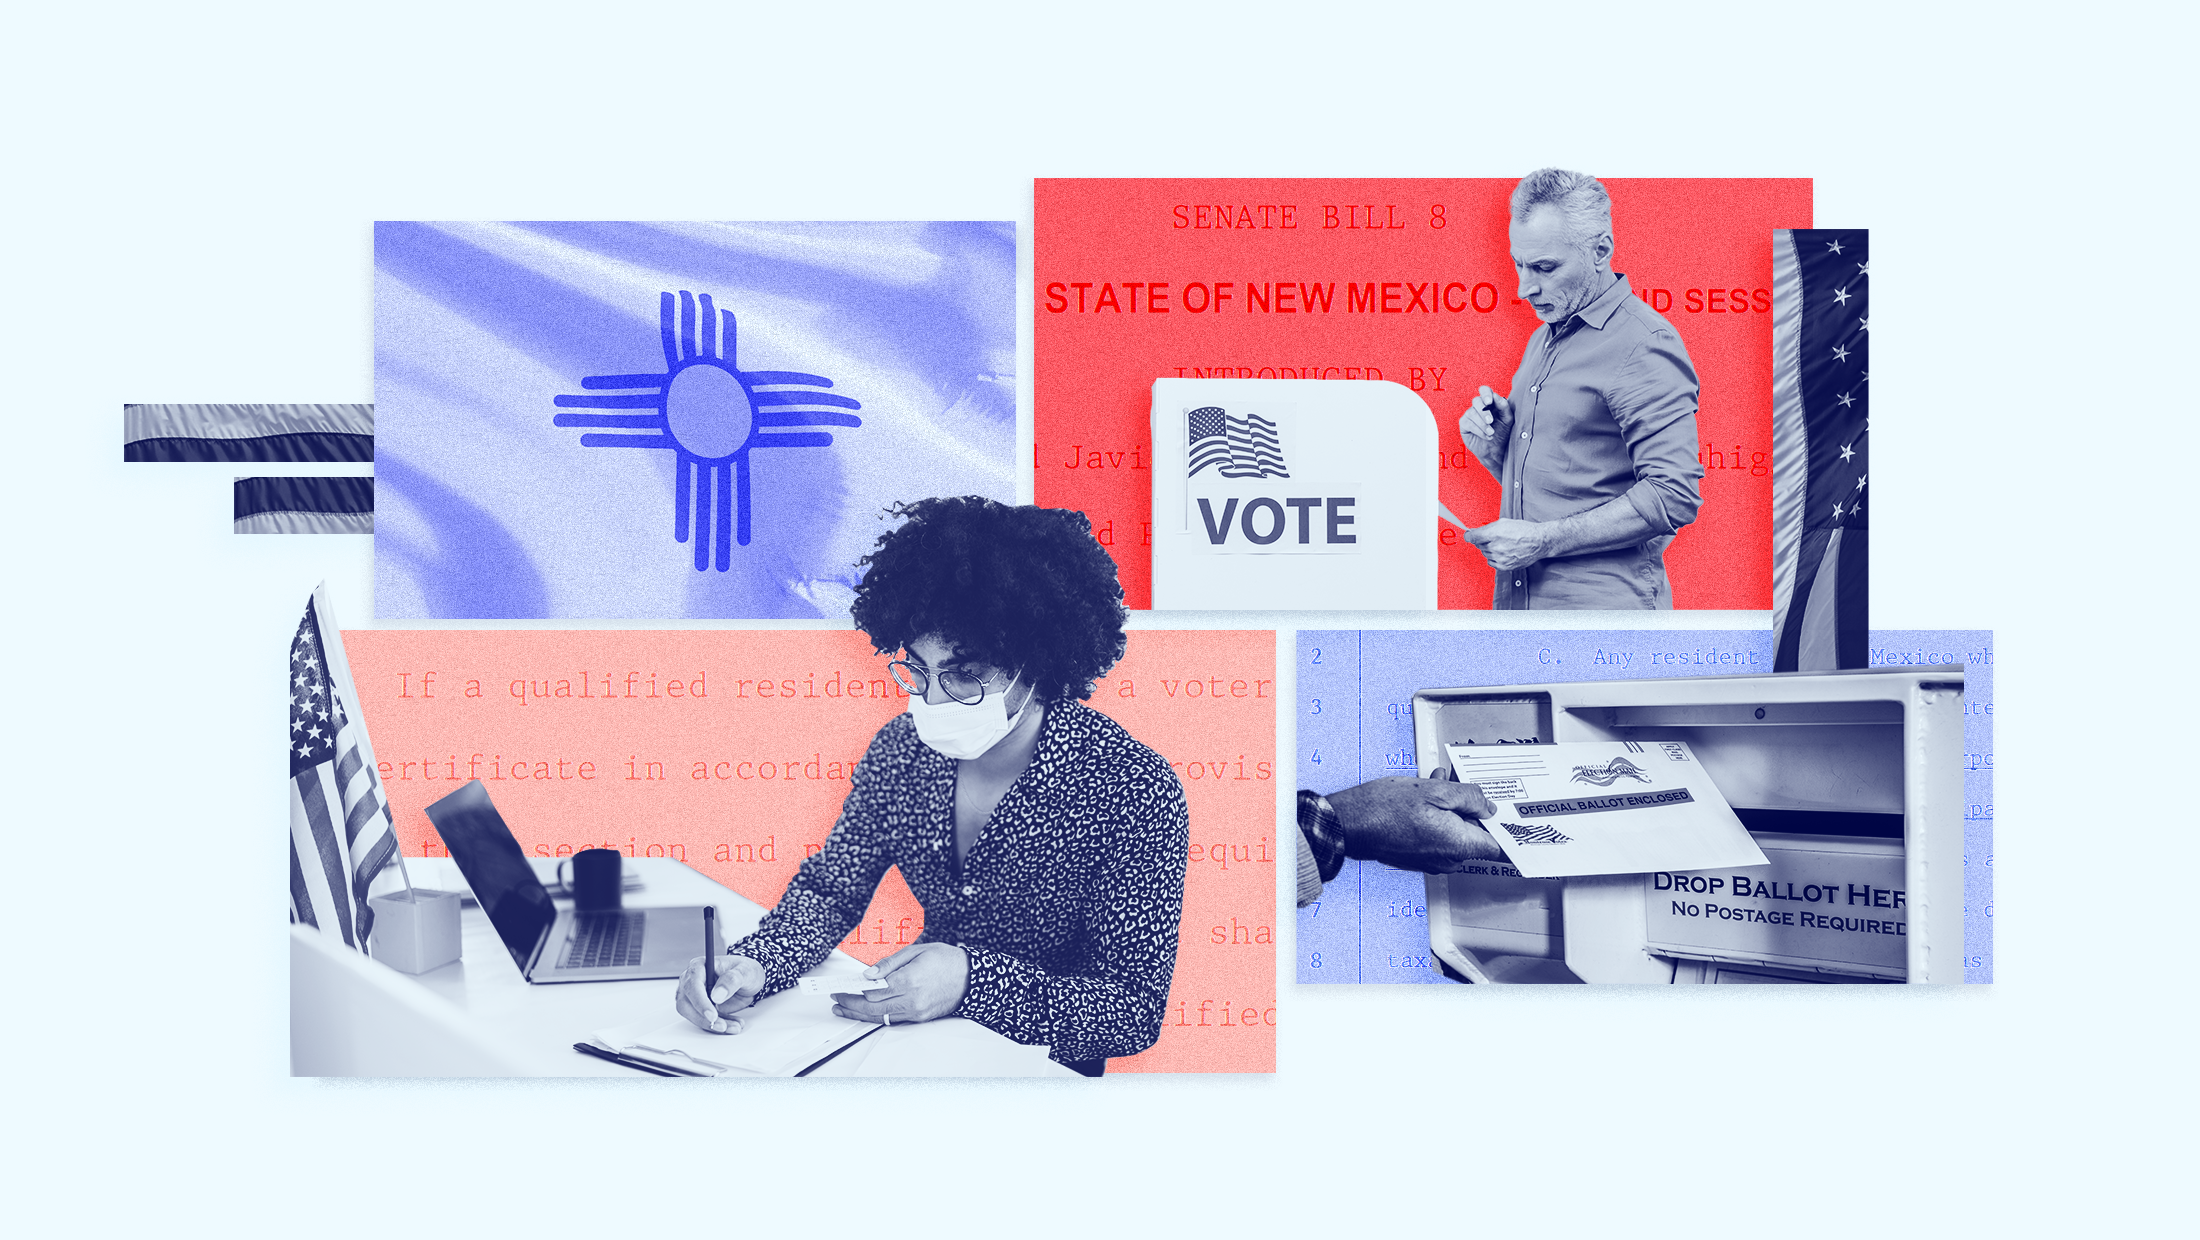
{"points": [[604, 941]]}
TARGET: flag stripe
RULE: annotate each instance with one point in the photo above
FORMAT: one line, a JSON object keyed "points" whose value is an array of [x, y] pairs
{"points": [[324, 843], [1817, 642], [315, 446], [142, 422], [348, 765], [1811, 551], [1853, 642], [305, 523], [363, 877], [301, 899], [362, 812], [252, 496], [1790, 430]]}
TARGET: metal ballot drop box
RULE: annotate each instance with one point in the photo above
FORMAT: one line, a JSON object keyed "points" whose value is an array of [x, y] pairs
{"points": [[1851, 783]]}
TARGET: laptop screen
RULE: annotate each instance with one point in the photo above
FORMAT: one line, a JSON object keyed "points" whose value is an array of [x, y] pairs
{"points": [[495, 868]]}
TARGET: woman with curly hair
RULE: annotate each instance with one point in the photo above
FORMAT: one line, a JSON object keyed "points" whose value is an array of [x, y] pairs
{"points": [[1046, 845]]}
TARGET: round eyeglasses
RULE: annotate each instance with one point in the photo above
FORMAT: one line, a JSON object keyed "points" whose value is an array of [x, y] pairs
{"points": [[960, 684]]}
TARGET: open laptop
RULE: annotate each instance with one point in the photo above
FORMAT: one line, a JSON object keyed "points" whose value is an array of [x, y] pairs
{"points": [[549, 943]]}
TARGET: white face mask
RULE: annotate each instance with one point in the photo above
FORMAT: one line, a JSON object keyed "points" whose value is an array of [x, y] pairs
{"points": [[966, 730]]}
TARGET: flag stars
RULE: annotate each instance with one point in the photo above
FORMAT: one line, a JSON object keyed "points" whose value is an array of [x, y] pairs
{"points": [[1840, 297], [1847, 452], [1864, 269], [1846, 401], [297, 723], [1837, 512], [1860, 482], [1864, 324], [304, 751], [313, 733], [1834, 245], [1840, 353]]}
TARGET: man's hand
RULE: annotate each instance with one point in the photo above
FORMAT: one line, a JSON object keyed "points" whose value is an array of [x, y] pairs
{"points": [[739, 978], [1485, 428], [1509, 543], [1416, 824], [925, 981], [1487, 417]]}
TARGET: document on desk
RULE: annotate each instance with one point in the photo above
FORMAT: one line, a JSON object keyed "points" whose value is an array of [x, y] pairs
{"points": [[842, 984], [1604, 807], [779, 1037]]}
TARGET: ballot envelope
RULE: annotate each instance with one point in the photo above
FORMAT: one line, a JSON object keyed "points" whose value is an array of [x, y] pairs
{"points": [[1604, 807]]}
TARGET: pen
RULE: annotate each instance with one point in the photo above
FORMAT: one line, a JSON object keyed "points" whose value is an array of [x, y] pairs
{"points": [[710, 952], [838, 1049], [585, 1049]]}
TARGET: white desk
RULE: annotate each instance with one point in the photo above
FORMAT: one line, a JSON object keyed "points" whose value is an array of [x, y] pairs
{"points": [[536, 1026]]}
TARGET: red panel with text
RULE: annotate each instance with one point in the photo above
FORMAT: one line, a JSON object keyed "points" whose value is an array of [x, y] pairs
{"points": [[732, 751], [1406, 280]]}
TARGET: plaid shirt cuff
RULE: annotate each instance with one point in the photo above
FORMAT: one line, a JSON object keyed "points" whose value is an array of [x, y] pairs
{"points": [[1323, 833]]}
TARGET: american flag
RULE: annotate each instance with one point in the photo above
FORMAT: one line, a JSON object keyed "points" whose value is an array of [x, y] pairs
{"points": [[341, 833], [1240, 447], [1536, 834], [1821, 359]]}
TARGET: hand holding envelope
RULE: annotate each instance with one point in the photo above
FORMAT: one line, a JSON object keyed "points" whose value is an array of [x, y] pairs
{"points": [[1427, 825]]}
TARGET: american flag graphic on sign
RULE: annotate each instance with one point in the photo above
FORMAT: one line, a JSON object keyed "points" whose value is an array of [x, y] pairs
{"points": [[1239, 447], [341, 833], [1535, 835], [1821, 371]]}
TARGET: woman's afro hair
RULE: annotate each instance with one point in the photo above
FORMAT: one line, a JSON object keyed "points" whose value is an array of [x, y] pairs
{"points": [[1022, 588]]}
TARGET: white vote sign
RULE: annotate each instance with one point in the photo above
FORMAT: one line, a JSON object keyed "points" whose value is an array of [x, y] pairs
{"points": [[1292, 494]]}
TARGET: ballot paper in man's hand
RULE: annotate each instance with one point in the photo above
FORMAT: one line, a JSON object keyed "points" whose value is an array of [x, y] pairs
{"points": [[1604, 807]]}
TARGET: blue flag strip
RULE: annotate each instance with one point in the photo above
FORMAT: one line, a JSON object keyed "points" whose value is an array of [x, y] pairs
{"points": [[304, 506], [248, 432]]}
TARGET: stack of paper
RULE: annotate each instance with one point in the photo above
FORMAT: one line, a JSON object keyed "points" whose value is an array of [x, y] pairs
{"points": [[1604, 807], [779, 1037], [951, 1047]]}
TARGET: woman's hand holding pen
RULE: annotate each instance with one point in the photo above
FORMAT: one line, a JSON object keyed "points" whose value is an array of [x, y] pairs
{"points": [[925, 981], [739, 978]]}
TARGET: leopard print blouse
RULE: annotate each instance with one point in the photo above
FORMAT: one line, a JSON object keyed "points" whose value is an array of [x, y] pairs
{"points": [[1067, 903]]}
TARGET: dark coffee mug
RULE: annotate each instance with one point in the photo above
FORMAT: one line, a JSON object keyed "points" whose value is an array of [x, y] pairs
{"points": [[595, 880]]}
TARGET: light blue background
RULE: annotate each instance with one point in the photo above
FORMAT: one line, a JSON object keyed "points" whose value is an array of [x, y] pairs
{"points": [[196, 187]]}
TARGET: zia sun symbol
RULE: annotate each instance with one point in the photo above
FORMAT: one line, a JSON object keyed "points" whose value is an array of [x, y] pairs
{"points": [[711, 414]]}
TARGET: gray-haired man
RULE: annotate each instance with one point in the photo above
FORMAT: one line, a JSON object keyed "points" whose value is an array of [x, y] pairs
{"points": [[1595, 445]]}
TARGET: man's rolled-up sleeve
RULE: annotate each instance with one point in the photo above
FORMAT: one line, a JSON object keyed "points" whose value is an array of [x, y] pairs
{"points": [[1131, 916], [1654, 402]]}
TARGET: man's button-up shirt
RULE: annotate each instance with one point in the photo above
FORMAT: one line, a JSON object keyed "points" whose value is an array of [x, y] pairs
{"points": [[1604, 405]]}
